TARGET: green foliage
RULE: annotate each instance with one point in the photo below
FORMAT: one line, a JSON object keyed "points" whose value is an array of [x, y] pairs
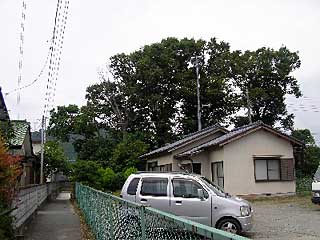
{"points": [[6, 130], [6, 221], [107, 178], [307, 158], [304, 184], [158, 87], [96, 149], [126, 154], [55, 159], [62, 121], [304, 135], [266, 73], [94, 175], [129, 171], [86, 172]]}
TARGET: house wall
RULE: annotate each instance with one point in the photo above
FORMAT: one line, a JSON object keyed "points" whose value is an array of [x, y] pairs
{"points": [[203, 158], [239, 163]]}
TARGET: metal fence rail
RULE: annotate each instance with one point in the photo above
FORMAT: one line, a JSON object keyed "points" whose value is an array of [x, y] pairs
{"points": [[28, 200], [111, 217]]}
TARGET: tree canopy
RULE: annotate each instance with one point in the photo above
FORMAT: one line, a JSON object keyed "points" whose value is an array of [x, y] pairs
{"points": [[150, 94]]}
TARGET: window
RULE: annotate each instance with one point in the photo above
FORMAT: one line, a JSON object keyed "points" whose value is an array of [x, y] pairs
{"points": [[152, 166], [166, 168], [196, 167], [154, 187], [287, 169], [186, 188], [132, 188], [192, 168], [267, 169], [217, 173]]}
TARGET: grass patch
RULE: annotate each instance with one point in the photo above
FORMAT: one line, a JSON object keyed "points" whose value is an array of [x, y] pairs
{"points": [[301, 199], [117, 193]]}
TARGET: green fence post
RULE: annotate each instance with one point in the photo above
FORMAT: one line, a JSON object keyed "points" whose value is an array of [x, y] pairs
{"points": [[143, 223]]}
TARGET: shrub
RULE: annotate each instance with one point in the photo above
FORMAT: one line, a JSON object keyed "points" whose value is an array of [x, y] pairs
{"points": [[10, 170], [304, 184], [86, 172], [129, 171]]}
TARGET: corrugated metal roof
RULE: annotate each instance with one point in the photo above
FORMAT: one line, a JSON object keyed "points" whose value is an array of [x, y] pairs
{"points": [[235, 132], [184, 140], [20, 129]]}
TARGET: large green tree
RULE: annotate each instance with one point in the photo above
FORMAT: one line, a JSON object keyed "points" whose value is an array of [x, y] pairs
{"points": [[267, 75], [154, 89], [152, 92]]}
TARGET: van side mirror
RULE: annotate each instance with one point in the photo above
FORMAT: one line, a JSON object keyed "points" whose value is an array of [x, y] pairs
{"points": [[201, 194]]}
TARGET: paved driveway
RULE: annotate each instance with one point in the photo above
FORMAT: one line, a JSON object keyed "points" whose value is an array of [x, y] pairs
{"points": [[286, 218]]}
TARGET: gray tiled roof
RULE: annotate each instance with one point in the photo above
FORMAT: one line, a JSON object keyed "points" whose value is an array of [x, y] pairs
{"points": [[234, 133], [20, 129], [185, 139]]}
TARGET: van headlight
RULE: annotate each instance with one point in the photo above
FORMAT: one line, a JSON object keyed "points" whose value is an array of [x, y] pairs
{"points": [[245, 211]]}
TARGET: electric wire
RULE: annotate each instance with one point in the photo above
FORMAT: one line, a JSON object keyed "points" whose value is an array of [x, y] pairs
{"points": [[36, 79], [21, 46], [55, 54]]}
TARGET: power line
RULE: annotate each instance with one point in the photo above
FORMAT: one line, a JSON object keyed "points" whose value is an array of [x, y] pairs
{"points": [[21, 46], [55, 54], [37, 77], [54, 67]]}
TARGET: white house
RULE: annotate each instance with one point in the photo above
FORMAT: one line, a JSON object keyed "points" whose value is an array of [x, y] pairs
{"points": [[253, 159]]}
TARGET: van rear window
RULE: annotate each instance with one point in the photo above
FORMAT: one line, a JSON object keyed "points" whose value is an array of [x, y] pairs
{"points": [[132, 188]]}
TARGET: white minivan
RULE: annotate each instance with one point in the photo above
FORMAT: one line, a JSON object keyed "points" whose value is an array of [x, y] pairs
{"points": [[189, 196]]}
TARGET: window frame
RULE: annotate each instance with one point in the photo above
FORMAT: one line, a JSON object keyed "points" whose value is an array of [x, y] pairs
{"points": [[206, 194], [135, 187], [217, 173], [156, 195], [267, 169]]}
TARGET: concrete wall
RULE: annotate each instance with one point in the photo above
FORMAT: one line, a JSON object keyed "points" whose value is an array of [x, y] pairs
{"points": [[239, 163]]}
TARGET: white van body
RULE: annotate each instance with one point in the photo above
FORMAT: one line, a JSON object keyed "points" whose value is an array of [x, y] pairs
{"points": [[189, 196]]}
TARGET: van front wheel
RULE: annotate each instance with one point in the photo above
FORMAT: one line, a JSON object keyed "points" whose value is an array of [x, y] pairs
{"points": [[229, 225]]}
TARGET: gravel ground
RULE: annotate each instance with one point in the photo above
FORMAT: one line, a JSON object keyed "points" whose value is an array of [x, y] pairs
{"points": [[285, 218]]}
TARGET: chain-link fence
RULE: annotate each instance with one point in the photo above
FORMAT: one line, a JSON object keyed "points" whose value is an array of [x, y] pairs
{"points": [[111, 217]]}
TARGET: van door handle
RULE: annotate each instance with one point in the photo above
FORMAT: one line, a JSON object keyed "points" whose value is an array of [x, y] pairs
{"points": [[143, 200], [179, 202]]}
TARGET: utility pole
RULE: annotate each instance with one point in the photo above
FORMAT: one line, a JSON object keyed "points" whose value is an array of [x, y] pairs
{"points": [[42, 148], [196, 63], [248, 105]]}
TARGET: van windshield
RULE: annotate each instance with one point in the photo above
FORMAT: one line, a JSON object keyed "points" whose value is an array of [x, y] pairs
{"points": [[217, 190]]}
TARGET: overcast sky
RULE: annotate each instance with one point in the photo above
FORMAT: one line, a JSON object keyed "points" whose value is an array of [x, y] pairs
{"points": [[98, 29]]}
